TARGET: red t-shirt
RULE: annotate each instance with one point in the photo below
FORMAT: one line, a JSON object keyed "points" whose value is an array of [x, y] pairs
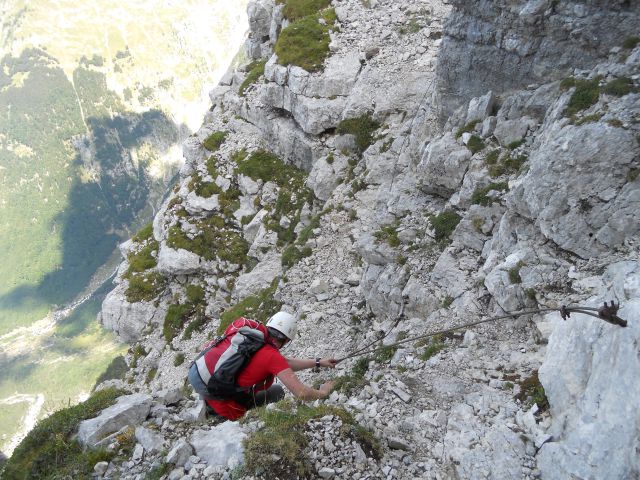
{"points": [[265, 364]]}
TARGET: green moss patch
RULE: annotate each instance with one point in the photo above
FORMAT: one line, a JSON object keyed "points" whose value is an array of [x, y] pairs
{"points": [[389, 234], [444, 224], [586, 94], [297, 9], [143, 259], [434, 346], [258, 307], [475, 144], [214, 240], [145, 287], [264, 165], [480, 197], [214, 141], [256, 70], [279, 446], [305, 42], [355, 380], [468, 128], [179, 314], [144, 234], [292, 255], [49, 450], [362, 127], [630, 42]]}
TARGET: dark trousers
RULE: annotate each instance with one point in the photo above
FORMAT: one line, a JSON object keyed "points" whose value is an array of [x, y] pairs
{"points": [[273, 394]]}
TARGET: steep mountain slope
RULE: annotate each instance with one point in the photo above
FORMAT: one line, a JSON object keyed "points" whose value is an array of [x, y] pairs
{"points": [[361, 188]]}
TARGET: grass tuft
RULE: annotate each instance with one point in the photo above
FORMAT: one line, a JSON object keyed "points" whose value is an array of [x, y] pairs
{"points": [[214, 141], [586, 94], [480, 197], [444, 224], [258, 307], [256, 69], [49, 450], [145, 287], [305, 42], [468, 128], [388, 233], [475, 144], [619, 87], [296, 9], [362, 128]]}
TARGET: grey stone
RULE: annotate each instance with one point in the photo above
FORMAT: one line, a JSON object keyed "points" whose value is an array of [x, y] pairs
{"points": [[195, 414], [128, 410], [480, 107], [169, 396], [510, 131], [398, 444], [196, 205], [221, 445], [100, 468], [326, 472], [260, 277], [152, 442], [177, 261], [587, 386], [179, 453], [564, 191], [443, 165]]}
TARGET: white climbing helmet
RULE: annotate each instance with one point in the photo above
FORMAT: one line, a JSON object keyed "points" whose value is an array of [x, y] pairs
{"points": [[285, 323]]}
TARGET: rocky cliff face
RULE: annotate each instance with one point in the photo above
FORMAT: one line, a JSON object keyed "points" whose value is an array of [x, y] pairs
{"points": [[336, 194]]}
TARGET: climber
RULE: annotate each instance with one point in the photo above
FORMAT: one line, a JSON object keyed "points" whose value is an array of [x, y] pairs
{"points": [[235, 372]]}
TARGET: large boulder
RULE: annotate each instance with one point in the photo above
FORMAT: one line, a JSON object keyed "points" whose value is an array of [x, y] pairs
{"points": [[579, 190], [260, 277], [129, 410], [590, 376], [221, 445], [443, 166], [126, 319], [177, 261]]}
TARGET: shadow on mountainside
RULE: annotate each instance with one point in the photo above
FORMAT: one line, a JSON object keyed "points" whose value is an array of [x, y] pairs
{"points": [[100, 212]]}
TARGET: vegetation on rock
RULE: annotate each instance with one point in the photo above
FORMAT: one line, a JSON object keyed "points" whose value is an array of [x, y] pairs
{"points": [[362, 127], [49, 451], [215, 140], [256, 69]]}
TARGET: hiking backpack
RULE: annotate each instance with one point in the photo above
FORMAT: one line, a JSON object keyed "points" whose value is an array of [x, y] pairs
{"points": [[221, 383]]}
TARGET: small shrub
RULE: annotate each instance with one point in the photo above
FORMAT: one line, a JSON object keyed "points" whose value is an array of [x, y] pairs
{"points": [[444, 224], [258, 307], [387, 145], [567, 83], [619, 87], [330, 158], [213, 141], [256, 69], [151, 374], [178, 360], [586, 94], [434, 347], [475, 144], [279, 446], [532, 392], [178, 314], [516, 144], [362, 128], [630, 42], [354, 381], [589, 118], [385, 354], [633, 174], [480, 197], [468, 128], [293, 255], [514, 273], [305, 42], [447, 301], [388, 233], [492, 157]]}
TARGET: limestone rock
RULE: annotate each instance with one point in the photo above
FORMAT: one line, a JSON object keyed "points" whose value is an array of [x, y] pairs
{"points": [[260, 277], [221, 445], [179, 453], [481, 107], [196, 205], [587, 386], [177, 262], [127, 319], [128, 410], [565, 191], [152, 441], [443, 166]]}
